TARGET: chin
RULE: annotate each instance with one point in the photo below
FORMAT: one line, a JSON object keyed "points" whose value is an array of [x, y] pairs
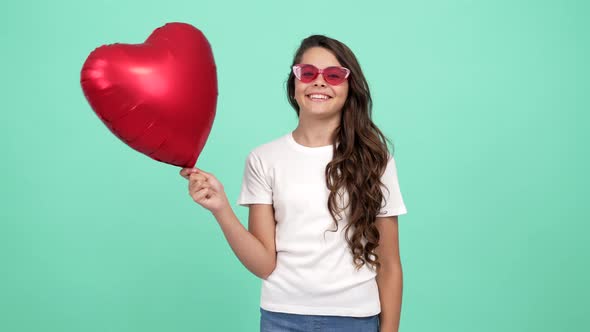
{"points": [[322, 112]]}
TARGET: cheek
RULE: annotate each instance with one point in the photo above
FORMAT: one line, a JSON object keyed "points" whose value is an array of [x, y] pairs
{"points": [[342, 91], [299, 90], [299, 87]]}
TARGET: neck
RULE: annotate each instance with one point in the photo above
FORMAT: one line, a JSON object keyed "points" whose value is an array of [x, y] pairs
{"points": [[316, 132]]}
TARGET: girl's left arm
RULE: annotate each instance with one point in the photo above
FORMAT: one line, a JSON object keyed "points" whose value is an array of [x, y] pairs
{"points": [[389, 275]]}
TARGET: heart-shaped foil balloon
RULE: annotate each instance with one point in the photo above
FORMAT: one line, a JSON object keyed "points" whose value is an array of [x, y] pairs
{"points": [[159, 97]]}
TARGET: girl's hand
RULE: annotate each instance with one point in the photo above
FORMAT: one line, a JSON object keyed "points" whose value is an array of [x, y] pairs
{"points": [[205, 189]]}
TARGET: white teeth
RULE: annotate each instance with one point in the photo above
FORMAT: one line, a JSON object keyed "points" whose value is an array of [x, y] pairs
{"points": [[318, 96]]}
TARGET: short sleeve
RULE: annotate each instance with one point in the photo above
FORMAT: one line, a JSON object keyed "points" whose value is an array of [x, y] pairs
{"points": [[393, 203], [256, 188]]}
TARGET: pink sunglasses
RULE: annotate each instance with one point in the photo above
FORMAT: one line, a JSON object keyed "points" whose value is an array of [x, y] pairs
{"points": [[308, 73]]}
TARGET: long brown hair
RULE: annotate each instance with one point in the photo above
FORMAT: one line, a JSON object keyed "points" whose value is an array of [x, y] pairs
{"points": [[359, 159]]}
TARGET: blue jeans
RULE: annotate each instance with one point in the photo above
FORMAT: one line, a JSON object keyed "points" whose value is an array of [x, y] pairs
{"points": [[284, 322]]}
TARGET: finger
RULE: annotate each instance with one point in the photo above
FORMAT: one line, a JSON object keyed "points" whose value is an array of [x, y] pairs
{"points": [[196, 186], [200, 170], [194, 191], [197, 176], [200, 195], [207, 174], [186, 172]]}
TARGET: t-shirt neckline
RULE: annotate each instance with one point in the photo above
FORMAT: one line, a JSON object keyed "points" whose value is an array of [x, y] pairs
{"points": [[317, 149]]}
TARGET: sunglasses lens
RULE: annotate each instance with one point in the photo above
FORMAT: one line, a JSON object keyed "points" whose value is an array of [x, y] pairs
{"points": [[334, 75], [308, 73]]}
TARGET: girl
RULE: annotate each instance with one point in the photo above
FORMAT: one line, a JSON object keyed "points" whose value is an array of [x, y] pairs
{"points": [[323, 204]]}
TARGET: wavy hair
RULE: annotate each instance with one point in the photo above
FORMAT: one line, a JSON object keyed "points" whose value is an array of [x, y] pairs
{"points": [[359, 159]]}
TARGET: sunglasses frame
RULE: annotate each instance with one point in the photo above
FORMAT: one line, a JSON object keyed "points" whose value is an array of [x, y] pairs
{"points": [[298, 67]]}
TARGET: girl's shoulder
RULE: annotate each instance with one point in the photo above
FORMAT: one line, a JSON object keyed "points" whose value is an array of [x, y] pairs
{"points": [[271, 149]]}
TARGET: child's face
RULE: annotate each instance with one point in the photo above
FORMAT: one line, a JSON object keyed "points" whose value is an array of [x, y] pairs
{"points": [[309, 95]]}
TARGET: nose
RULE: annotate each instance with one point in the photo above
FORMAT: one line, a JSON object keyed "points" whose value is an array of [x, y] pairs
{"points": [[319, 81]]}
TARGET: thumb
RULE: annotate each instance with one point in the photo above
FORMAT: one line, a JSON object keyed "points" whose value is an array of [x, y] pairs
{"points": [[198, 170], [186, 172]]}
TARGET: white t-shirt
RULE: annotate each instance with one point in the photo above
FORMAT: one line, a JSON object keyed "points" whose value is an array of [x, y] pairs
{"points": [[315, 273]]}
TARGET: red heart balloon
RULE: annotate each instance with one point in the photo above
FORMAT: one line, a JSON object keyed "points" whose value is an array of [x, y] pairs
{"points": [[159, 97]]}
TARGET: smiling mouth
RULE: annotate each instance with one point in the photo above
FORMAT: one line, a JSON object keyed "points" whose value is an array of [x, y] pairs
{"points": [[318, 97]]}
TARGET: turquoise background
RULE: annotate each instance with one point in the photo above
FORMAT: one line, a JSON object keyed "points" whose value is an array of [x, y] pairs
{"points": [[486, 102]]}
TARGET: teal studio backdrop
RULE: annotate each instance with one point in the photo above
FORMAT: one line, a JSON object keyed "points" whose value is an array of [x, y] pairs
{"points": [[486, 103]]}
